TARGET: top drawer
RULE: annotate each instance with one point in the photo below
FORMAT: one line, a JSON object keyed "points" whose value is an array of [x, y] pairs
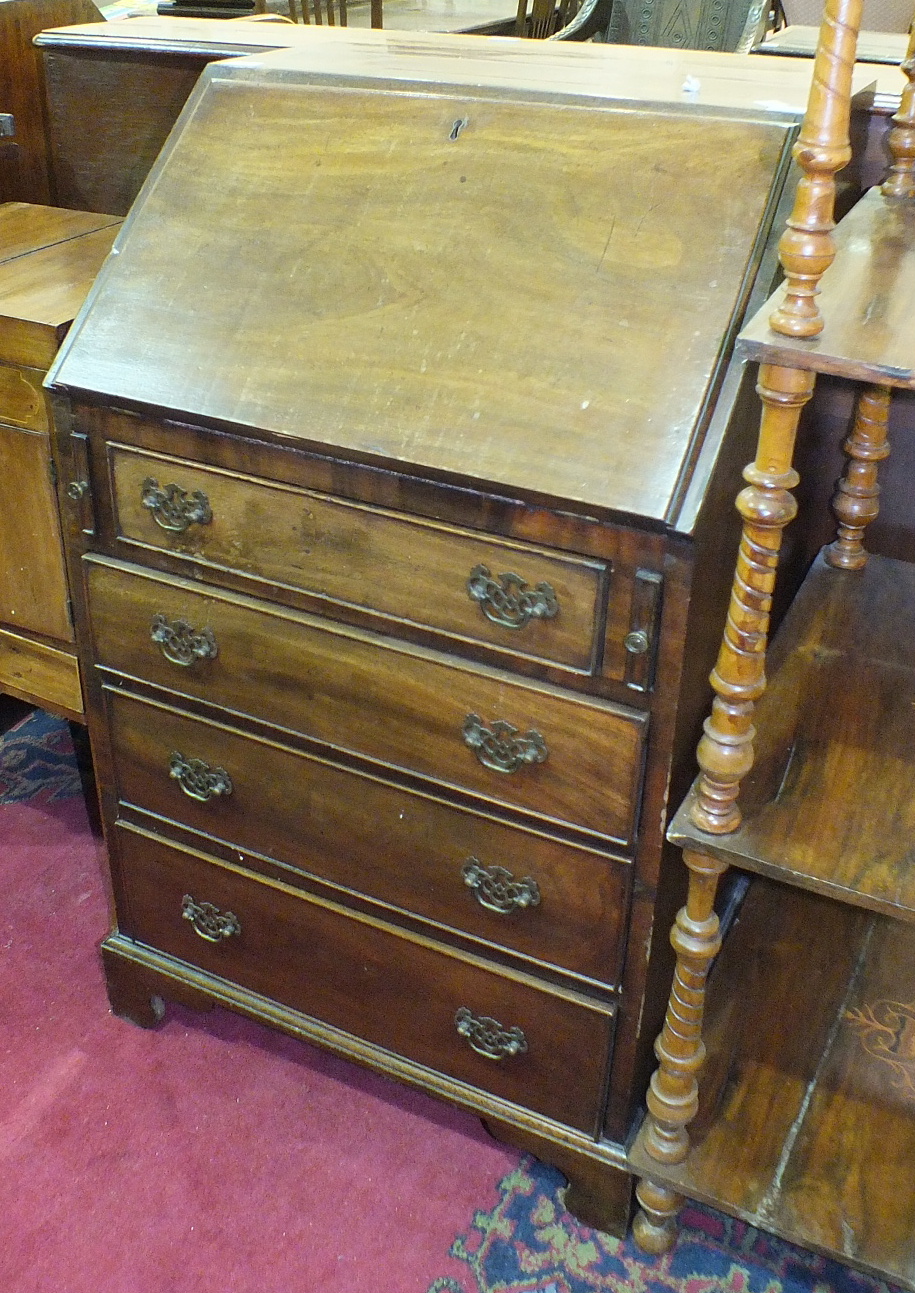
{"points": [[517, 598]]}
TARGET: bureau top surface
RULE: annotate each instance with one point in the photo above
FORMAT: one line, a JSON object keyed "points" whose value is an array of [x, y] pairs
{"points": [[531, 288]]}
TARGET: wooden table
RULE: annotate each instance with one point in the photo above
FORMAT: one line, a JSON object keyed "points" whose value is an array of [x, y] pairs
{"points": [[801, 42]]}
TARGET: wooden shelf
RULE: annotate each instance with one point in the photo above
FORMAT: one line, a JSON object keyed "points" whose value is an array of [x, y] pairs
{"points": [[829, 803], [867, 298], [806, 1126]]}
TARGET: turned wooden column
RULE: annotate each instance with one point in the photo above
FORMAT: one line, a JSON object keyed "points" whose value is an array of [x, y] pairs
{"points": [[900, 181], [725, 754], [857, 497]]}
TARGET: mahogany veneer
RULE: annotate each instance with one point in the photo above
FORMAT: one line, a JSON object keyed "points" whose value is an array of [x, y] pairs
{"points": [[398, 558]]}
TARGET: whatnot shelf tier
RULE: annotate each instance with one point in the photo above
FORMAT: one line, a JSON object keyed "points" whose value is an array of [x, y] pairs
{"points": [[829, 804], [866, 299], [806, 1125]]}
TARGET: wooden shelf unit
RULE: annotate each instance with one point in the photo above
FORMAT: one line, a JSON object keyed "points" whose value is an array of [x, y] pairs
{"points": [[806, 1126], [828, 805], [803, 1122]]}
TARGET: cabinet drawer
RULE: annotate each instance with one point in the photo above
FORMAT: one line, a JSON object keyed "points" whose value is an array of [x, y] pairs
{"points": [[556, 903], [22, 399], [575, 761], [395, 991], [419, 572]]}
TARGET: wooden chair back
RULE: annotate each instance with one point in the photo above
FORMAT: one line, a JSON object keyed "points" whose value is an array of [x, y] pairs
{"points": [[565, 20], [332, 13]]}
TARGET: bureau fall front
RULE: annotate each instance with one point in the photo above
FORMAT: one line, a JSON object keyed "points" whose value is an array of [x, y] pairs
{"points": [[404, 422]]}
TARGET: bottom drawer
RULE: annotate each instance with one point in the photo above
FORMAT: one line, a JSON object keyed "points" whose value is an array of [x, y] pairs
{"points": [[394, 990]]}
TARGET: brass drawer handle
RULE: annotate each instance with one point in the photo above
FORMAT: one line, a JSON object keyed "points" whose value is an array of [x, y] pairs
{"points": [[180, 643], [501, 746], [199, 780], [497, 890], [208, 921], [487, 1036], [507, 600], [173, 508]]}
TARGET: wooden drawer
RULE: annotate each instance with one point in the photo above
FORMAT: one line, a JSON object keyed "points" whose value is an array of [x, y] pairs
{"points": [[402, 707], [411, 570], [399, 992], [568, 904], [22, 399]]}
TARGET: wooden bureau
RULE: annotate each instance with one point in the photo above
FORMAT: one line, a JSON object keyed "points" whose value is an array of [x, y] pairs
{"points": [[48, 259], [399, 428]]}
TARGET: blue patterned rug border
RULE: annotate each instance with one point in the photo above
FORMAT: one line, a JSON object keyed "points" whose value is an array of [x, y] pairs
{"points": [[37, 762]]}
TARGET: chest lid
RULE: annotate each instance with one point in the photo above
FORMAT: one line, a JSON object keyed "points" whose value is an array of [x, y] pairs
{"points": [[504, 275]]}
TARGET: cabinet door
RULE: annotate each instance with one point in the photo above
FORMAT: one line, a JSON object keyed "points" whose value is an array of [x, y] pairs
{"points": [[33, 584]]}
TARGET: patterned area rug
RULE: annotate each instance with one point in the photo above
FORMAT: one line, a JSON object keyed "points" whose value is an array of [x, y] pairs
{"points": [[36, 761], [526, 1243]]}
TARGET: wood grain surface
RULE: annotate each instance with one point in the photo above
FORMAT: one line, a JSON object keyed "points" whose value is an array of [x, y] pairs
{"points": [[805, 1126], [24, 164], [41, 294], [390, 989], [346, 827], [393, 256], [402, 707], [40, 674], [27, 227], [363, 556], [33, 587], [22, 401], [867, 298], [828, 804]]}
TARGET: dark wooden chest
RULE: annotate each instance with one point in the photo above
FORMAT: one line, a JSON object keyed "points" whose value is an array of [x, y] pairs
{"points": [[409, 421]]}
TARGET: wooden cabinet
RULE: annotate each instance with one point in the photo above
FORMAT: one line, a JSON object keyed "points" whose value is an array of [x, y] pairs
{"points": [[24, 158], [114, 91], [407, 422], [805, 1117], [49, 260]]}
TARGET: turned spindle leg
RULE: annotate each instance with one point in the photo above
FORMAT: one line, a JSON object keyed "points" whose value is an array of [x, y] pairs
{"points": [[725, 753], [856, 501], [806, 249], [673, 1096], [900, 180], [725, 756]]}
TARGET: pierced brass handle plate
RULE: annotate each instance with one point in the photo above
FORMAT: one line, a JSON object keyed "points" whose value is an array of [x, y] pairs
{"points": [[496, 889], [180, 643], [199, 780], [173, 509], [208, 921], [507, 600], [488, 1037], [501, 746]]}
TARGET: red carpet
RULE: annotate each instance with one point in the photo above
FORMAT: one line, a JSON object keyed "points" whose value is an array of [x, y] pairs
{"points": [[207, 1156]]}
